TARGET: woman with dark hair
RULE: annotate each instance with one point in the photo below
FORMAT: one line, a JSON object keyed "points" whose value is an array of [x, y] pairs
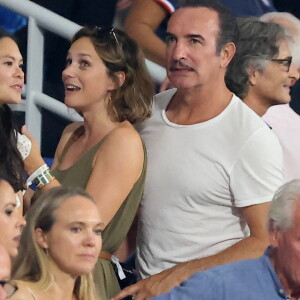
{"points": [[107, 82], [13, 146], [11, 83]]}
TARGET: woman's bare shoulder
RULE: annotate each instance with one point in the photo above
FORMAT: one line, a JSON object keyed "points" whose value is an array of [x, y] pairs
{"points": [[125, 135]]}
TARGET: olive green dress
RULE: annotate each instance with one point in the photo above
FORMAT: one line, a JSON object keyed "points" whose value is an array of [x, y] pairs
{"points": [[115, 232]]}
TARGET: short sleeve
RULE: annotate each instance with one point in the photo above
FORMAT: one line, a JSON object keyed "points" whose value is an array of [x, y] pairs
{"points": [[258, 170], [168, 5]]}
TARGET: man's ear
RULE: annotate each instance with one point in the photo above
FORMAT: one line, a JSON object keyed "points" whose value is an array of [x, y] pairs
{"points": [[253, 77], [227, 54], [40, 238], [274, 234]]}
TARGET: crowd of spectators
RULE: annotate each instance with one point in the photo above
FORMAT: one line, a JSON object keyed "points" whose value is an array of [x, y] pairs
{"points": [[199, 166]]}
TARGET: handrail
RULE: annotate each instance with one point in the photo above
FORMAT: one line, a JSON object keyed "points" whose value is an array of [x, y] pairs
{"points": [[44, 17], [39, 19]]}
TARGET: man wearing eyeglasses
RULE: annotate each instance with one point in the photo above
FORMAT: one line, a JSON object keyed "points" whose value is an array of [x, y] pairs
{"points": [[261, 72], [285, 122], [213, 164], [7, 288]]}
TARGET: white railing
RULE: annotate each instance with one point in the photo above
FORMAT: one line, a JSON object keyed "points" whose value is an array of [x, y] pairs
{"points": [[39, 19]]}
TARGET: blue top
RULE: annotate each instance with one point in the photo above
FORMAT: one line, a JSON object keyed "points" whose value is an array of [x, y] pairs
{"points": [[247, 279]]}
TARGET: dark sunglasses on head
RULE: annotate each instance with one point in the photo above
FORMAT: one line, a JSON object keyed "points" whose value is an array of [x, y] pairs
{"points": [[102, 32]]}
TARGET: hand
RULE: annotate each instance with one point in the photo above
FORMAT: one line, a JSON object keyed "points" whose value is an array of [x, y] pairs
{"points": [[34, 159], [157, 284]]}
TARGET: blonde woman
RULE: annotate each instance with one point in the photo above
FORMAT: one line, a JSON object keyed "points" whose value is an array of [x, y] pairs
{"points": [[59, 247]]}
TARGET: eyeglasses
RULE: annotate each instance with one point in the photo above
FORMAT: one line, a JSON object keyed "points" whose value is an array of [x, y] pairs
{"points": [[9, 287], [285, 62], [107, 31]]}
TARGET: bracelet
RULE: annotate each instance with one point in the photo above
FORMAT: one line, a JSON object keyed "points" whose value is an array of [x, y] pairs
{"points": [[42, 179], [37, 172]]}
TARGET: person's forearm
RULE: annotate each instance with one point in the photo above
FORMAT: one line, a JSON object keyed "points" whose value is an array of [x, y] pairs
{"points": [[164, 281], [247, 248], [154, 48]]}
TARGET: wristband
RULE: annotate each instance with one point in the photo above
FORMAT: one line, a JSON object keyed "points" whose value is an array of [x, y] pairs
{"points": [[37, 172], [42, 179]]}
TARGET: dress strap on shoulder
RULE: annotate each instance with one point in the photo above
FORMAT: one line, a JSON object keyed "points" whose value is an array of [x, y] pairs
{"points": [[74, 137]]}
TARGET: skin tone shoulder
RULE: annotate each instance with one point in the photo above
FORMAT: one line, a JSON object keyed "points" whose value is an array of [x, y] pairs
{"points": [[141, 23], [119, 161], [73, 245]]}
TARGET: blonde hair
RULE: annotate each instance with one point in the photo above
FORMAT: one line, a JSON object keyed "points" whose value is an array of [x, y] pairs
{"points": [[32, 264]]}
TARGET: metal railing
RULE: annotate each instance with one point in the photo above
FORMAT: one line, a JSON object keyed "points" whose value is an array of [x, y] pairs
{"points": [[39, 19]]}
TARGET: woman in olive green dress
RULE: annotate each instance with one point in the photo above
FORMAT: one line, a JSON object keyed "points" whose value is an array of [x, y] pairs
{"points": [[106, 81]]}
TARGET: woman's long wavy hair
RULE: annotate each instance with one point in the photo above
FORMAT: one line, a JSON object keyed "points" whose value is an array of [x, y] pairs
{"points": [[11, 164], [32, 264], [132, 101]]}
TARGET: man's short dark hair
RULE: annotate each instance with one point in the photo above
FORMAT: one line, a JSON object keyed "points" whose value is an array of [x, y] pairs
{"points": [[228, 31]]}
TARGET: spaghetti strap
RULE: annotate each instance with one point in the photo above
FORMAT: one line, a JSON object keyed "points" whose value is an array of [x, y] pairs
{"points": [[75, 135]]}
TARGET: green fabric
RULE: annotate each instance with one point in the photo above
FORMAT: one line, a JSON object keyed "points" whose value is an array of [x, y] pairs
{"points": [[115, 232]]}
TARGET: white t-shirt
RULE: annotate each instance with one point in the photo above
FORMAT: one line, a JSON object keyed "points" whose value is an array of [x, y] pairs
{"points": [[197, 178]]}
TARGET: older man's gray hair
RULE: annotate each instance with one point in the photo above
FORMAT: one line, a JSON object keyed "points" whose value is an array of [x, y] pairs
{"points": [[283, 204], [259, 42], [292, 25]]}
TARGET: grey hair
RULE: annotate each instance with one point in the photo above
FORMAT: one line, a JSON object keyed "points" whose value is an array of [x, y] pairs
{"points": [[272, 16], [283, 204], [258, 43], [292, 26]]}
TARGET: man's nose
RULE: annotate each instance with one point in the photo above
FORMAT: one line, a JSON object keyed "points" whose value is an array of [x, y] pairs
{"points": [[179, 51]]}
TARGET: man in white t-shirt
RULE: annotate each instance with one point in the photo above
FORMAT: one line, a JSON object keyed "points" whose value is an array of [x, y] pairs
{"points": [[213, 164]]}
